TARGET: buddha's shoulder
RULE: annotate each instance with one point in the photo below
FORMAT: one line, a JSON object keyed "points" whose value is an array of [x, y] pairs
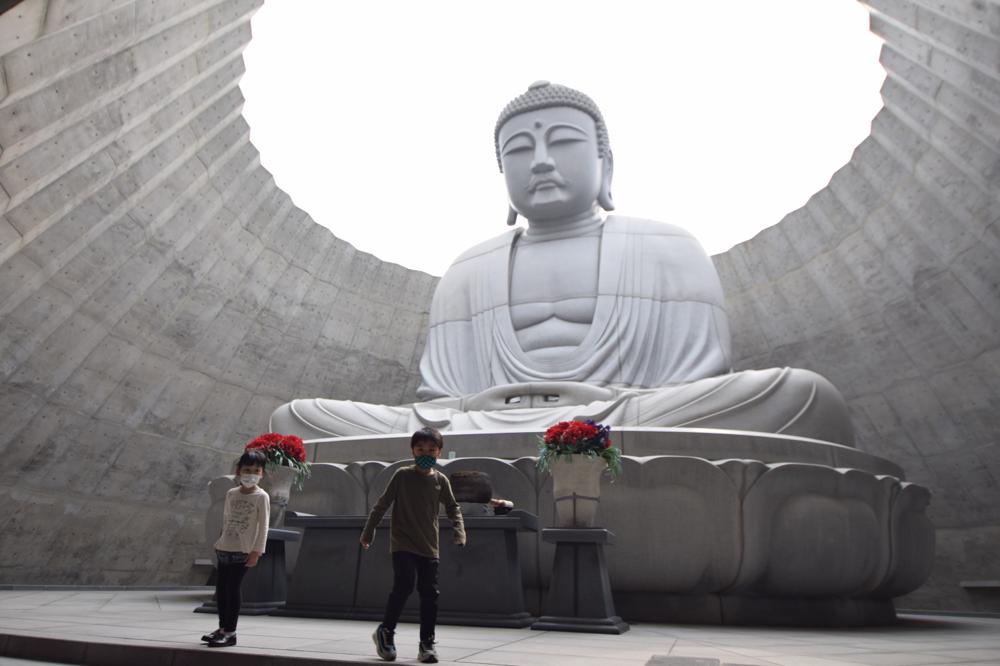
{"points": [[479, 251], [619, 224]]}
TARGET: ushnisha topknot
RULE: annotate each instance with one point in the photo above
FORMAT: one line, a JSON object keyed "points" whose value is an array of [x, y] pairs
{"points": [[542, 95]]}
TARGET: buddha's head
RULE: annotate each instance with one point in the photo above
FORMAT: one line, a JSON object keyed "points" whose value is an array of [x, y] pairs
{"points": [[552, 147]]}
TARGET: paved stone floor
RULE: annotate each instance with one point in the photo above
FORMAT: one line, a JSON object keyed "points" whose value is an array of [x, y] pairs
{"points": [[164, 620]]}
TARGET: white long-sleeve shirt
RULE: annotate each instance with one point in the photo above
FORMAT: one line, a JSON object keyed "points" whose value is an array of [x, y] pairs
{"points": [[244, 521]]}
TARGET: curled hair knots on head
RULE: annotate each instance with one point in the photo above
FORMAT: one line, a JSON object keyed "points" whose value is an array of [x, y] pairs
{"points": [[543, 95]]}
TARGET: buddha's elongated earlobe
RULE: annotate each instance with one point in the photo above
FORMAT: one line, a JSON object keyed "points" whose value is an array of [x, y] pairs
{"points": [[604, 195], [511, 216], [604, 199]]}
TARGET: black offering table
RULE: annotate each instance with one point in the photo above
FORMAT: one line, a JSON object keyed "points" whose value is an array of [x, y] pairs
{"points": [[265, 586], [579, 597], [480, 583]]}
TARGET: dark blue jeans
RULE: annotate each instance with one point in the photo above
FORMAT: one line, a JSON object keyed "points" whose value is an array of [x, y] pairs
{"points": [[408, 568]]}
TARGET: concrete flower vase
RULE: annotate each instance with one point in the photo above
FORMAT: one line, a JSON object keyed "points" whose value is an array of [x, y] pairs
{"points": [[277, 483], [576, 489]]}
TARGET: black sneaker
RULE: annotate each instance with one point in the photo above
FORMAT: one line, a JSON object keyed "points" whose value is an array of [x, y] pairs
{"points": [[385, 644], [207, 637], [426, 654], [222, 641]]}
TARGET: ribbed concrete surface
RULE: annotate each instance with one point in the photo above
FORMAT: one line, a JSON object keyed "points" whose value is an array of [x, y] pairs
{"points": [[888, 281], [159, 295]]}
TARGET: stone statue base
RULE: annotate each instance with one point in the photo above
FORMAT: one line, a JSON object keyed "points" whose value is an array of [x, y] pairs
{"points": [[721, 609], [712, 526], [708, 443]]}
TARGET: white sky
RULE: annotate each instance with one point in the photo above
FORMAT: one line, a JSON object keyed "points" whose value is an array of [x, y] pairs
{"points": [[377, 117]]}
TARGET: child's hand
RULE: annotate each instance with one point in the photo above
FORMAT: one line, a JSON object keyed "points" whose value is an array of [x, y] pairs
{"points": [[252, 560], [365, 543], [458, 541]]}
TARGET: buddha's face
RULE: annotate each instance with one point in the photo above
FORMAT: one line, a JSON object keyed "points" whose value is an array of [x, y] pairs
{"points": [[550, 162]]}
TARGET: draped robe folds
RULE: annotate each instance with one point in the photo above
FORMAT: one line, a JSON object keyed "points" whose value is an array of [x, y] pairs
{"points": [[656, 354]]}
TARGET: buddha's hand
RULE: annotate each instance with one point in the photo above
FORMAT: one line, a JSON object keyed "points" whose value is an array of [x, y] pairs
{"points": [[551, 394]]}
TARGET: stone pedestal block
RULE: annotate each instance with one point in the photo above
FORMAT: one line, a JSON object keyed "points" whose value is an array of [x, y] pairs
{"points": [[579, 596]]}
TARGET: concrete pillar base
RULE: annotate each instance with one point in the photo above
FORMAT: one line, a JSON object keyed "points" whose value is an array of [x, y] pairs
{"points": [[579, 597]]}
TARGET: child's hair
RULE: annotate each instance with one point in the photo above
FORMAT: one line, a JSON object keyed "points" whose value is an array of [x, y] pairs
{"points": [[427, 435], [252, 458]]}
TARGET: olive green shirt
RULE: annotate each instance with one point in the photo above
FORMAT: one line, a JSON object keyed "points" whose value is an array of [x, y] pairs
{"points": [[415, 497]]}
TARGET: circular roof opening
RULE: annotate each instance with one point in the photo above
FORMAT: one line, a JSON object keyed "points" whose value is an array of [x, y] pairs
{"points": [[377, 118]]}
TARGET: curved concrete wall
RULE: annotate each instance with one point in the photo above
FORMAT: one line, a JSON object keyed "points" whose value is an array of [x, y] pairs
{"points": [[888, 281], [159, 295]]}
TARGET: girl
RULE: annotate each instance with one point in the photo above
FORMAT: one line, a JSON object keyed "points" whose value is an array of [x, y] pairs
{"points": [[244, 534]]}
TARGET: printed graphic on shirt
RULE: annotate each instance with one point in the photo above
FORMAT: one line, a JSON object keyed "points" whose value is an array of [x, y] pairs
{"points": [[242, 515]]}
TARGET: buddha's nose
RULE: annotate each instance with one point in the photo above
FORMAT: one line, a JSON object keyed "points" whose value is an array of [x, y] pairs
{"points": [[542, 164]]}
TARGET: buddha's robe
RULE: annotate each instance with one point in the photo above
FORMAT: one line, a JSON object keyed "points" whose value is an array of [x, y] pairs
{"points": [[657, 354]]}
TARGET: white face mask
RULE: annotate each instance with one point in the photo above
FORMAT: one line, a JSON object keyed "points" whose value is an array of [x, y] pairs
{"points": [[249, 480]]}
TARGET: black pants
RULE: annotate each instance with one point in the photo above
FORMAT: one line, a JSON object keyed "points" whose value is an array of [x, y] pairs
{"points": [[229, 580], [407, 567]]}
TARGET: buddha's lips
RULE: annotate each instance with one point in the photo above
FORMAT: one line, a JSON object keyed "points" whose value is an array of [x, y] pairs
{"points": [[553, 180]]}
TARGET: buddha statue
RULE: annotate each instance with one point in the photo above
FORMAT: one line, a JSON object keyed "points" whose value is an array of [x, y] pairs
{"points": [[582, 314]]}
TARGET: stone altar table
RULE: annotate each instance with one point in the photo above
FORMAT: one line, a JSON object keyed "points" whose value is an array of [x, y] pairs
{"points": [[480, 583]]}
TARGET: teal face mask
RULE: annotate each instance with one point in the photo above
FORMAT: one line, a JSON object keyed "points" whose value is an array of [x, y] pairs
{"points": [[426, 462]]}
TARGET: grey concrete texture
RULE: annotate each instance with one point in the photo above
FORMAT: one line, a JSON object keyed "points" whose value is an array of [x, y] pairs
{"points": [[160, 296]]}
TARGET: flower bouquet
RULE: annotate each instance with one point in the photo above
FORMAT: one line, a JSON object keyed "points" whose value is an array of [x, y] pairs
{"points": [[568, 438], [282, 451]]}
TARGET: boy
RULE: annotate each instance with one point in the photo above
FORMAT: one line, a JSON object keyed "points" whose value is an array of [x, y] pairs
{"points": [[415, 493], [244, 535]]}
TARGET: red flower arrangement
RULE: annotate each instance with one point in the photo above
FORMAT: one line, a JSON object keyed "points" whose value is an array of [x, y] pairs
{"points": [[282, 451], [588, 438]]}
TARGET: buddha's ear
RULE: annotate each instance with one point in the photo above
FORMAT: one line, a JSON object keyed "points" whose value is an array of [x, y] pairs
{"points": [[607, 170]]}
